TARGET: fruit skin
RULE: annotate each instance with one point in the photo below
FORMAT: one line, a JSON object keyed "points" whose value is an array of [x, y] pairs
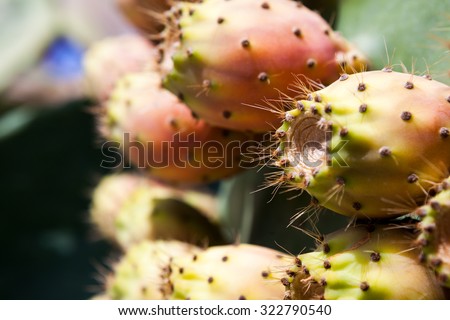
{"points": [[370, 144], [141, 273], [434, 237], [106, 61], [158, 133], [226, 273], [128, 208], [362, 262], [228, 56]]}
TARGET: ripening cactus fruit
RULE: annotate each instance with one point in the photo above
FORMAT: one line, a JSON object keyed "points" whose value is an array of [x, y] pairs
{"points": [[127, 209], [141, 274], [159, 134], [106, 61], [228, 56], [434, 237], [362, 262], [226, 273], [370, 145]]}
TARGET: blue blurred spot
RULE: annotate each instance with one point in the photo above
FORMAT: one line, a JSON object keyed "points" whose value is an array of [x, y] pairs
{"points": [[63, 58]]}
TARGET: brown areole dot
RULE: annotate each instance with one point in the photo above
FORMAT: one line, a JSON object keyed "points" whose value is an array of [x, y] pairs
{"points": [[375, 256], [343, 132], [323, 282], [361, 86], [363, 108], [311, 63], [364, 286], [435, 205], [409, 85], [242, 297], [406, 115], [385, 151], [220, 20], [436, 262], [285, 282], [265, 5], [413, 178], [327, 264], [245, 43], [264, 274], [226, 114], [318, 98], [210, 280], [328, 108], [297, 32], [357, 206], [325, 247], [263, 77], [430, 228], [444, 132], [224, 258]]}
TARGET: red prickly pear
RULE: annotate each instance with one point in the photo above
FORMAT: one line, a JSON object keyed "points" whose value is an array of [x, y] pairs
{"points": [[228, 56], [158, 133]]}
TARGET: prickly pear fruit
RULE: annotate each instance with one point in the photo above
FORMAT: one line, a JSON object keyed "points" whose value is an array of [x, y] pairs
{"points": [[127, 208], [141, 274], [362, 262], [106, 61], [158, 133], [230, 55], [369, 145], [226, 272], [434, 237]]}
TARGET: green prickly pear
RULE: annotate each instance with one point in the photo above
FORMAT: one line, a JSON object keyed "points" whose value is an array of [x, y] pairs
{"points": [[370, 145], [362, 262], [127, 208], [434, 237], [141, 274]]}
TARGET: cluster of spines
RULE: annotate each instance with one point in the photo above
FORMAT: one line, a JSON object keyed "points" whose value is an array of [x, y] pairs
{"points": [[434, 237]]}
